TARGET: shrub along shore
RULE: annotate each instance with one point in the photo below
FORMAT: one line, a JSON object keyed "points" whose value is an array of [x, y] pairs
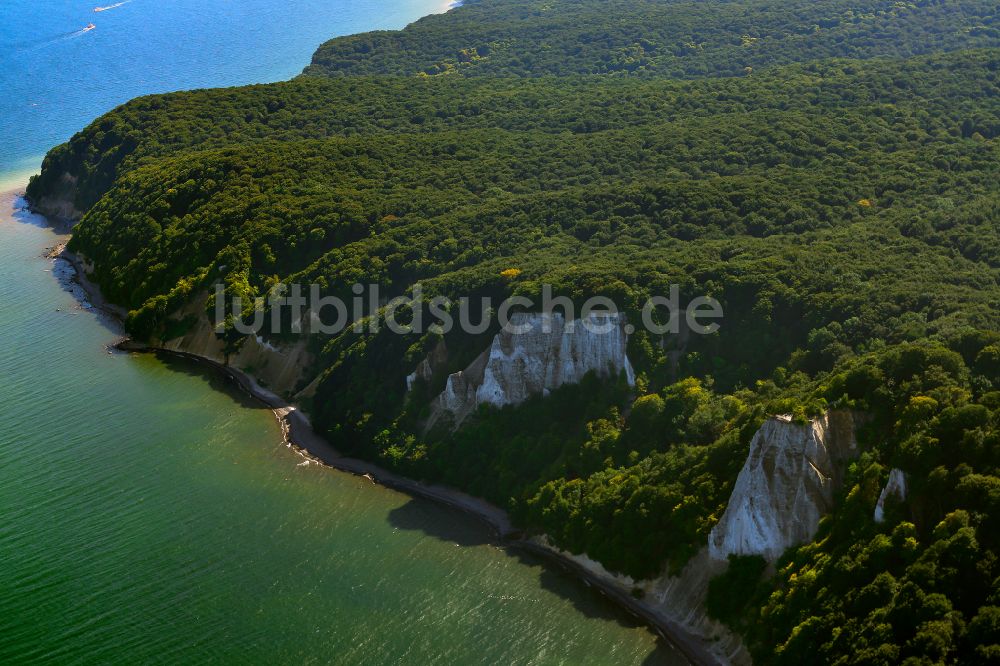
{"points": [[825, 170]]}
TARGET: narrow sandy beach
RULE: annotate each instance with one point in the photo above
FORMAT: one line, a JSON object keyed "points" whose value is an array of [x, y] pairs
{"points": [[10, 195], [299, 434]]}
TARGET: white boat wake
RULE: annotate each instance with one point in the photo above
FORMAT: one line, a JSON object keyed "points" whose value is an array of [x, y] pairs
{"points": [[114, 6]]}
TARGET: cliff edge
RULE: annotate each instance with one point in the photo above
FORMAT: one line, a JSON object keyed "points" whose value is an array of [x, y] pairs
{"points": [[786, 485], [537, 353]]}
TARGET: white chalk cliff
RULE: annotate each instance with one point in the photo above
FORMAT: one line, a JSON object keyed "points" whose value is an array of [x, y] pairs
{"points": [[785, 486], [535, 354], [895, 487]]}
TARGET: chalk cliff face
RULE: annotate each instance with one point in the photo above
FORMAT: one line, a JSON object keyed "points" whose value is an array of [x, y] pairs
{"points": [[280, 369], [535, 354], [785, 486], [895, 487]]}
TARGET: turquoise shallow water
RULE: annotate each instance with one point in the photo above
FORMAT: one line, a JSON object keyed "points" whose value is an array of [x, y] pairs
{"points": [[54, 79], [150, 515]]}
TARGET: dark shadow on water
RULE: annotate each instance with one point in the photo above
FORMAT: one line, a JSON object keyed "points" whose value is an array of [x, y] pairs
{"points": [[585, 598], [440, 522], [589, 601], [455, 527], [452, 526], [434, 520], [215, 379], [22, 213]]}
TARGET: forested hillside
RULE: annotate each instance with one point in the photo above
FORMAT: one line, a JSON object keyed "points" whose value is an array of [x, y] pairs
{"points": [[653, 37], [826, 170], [959, 88]]}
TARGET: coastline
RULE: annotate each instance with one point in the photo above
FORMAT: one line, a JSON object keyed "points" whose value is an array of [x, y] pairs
{"points": [[12, 183], [298, 434], [297, 430]]}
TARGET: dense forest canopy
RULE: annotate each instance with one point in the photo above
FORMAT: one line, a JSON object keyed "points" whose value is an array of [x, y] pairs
{"points": [[826, 170], [656, 37]]}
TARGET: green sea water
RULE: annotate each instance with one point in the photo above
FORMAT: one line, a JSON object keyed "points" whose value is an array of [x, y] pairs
{"points": [[150, 514]]}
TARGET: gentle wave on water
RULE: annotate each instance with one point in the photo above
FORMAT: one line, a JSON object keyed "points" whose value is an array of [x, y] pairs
{"points": [[148, 514], [56, 77], [152, 514]]}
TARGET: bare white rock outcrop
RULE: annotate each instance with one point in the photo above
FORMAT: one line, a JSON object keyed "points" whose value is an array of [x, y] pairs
{"points": [[535, 354], [785, 486], [895, 487]]}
